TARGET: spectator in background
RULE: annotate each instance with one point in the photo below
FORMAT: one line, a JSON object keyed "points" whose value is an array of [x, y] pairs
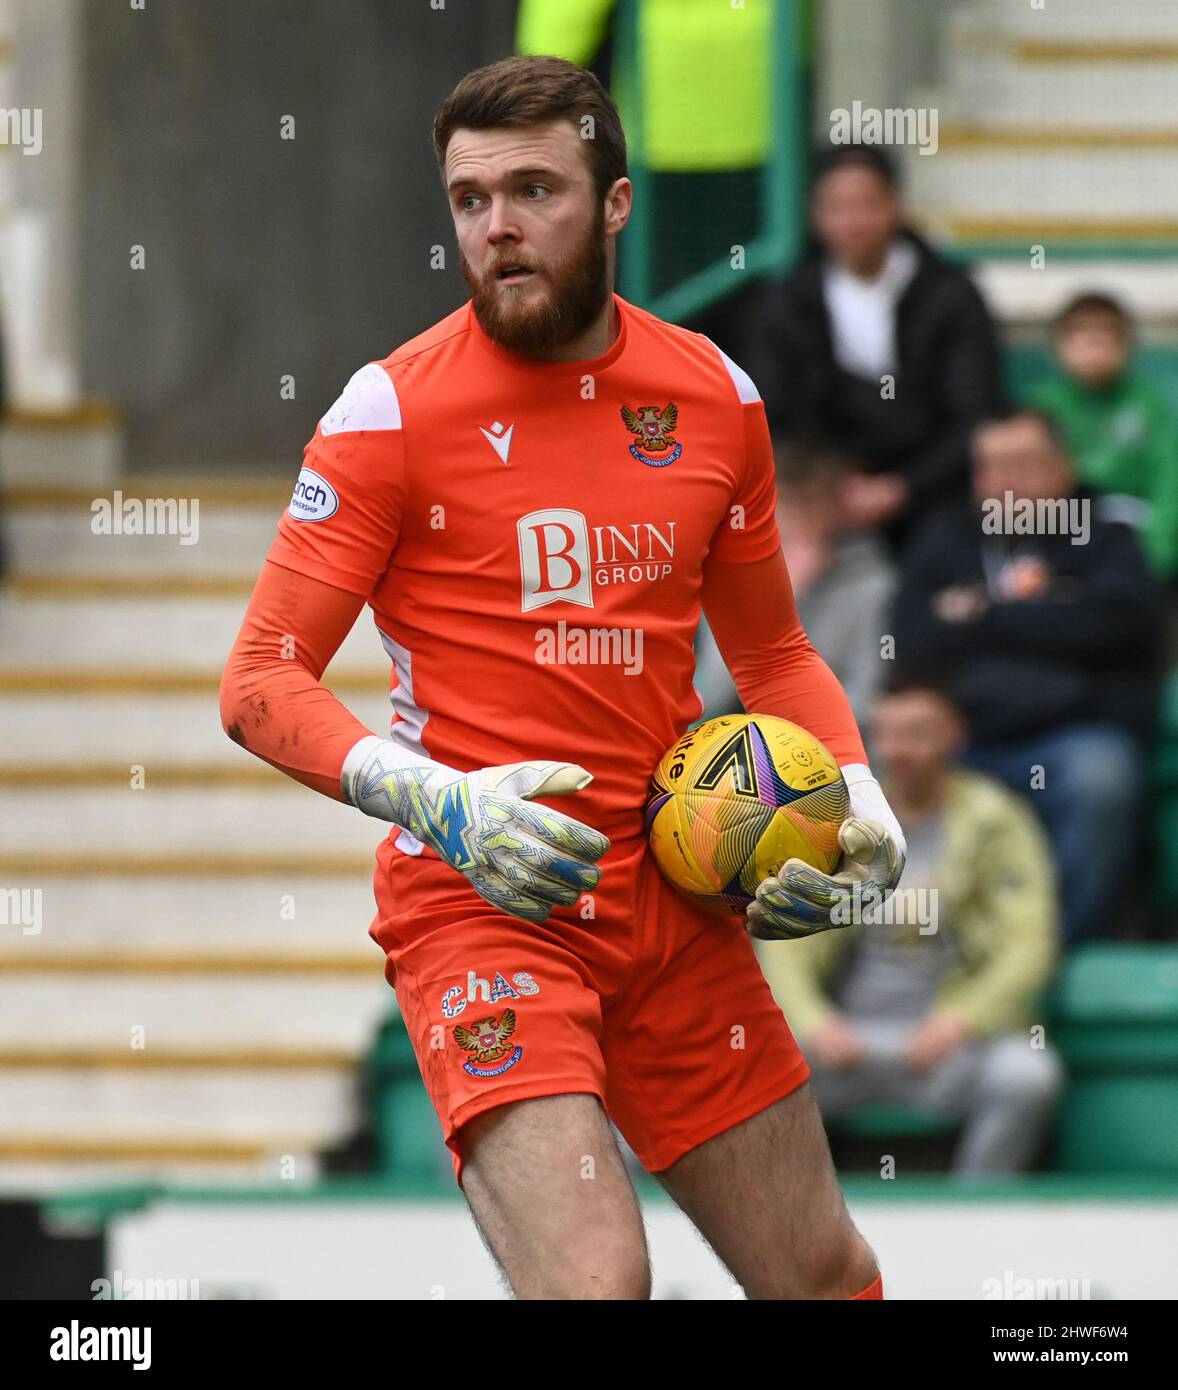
{"points": [[1119, 428], [931, 1006], [843, 582], [875, 345], [1052, 644]]}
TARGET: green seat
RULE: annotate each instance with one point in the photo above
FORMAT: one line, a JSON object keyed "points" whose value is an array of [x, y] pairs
{"points": [[1115, 1009], [1115, 1022], [1120, 1124], [404, 1122]]}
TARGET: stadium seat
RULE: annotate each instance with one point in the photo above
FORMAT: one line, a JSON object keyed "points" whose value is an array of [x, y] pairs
{"points": [[1115, 1021], [407, 1134]]}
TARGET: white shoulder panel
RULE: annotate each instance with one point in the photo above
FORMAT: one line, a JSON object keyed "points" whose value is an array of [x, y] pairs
{"points": [[368, 402], [745, 388]]}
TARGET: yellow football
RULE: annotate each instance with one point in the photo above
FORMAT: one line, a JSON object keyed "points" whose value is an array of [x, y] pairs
{"points": [[735, 798]]}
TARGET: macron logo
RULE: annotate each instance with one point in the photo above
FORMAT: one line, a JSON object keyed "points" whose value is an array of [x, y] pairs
{"points": [[498, 438]]}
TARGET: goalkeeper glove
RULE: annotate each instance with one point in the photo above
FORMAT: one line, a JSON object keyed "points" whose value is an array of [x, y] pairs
{"points": [[521, 858], [799, 900]]}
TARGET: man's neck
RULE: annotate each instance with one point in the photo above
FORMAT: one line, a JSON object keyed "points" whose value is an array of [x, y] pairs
{"points": [[870, 267], [595, 342]]}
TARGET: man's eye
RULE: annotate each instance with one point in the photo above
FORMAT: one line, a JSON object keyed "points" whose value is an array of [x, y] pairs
{"points": [[537, 188], [468, 202]]}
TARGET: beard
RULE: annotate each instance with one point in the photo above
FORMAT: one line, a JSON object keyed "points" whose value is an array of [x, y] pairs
{"points": [[534, 325]]}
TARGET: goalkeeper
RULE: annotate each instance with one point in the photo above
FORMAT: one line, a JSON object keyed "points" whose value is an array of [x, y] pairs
{"points": [[550, 457]]}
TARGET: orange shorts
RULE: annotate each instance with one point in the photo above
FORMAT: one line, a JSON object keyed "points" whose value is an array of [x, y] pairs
{"points": [[653, 1005]]}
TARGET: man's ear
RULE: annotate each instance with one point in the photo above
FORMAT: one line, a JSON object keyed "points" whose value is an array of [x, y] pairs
{"points": [[619, 202]]}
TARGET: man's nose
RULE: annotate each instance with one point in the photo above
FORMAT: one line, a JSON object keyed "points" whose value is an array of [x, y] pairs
{"points": [[502, 225]]}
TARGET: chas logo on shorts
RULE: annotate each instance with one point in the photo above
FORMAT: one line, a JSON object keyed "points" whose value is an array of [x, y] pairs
{"points": [[314, 498], [456, 998]]}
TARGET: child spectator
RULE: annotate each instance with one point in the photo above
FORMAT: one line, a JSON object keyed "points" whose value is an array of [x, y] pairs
{"points": [[1119, 428]]}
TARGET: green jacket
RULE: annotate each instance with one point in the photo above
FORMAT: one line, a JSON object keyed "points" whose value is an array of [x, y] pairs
{"points": [[996, 892], [1123, 440], [704, 67]]}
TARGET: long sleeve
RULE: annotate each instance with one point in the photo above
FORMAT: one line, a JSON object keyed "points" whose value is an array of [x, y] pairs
{"points": [[334, 542], [271, 700], [749, 604], [754, 619]]}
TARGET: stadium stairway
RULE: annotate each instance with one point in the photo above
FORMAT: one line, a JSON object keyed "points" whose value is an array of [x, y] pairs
{"points": [[1056, 122], [186, 983]]}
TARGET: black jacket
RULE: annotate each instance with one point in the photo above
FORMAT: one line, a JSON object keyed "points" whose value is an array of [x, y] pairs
{"points": [[1089, 649], [947, 375]]}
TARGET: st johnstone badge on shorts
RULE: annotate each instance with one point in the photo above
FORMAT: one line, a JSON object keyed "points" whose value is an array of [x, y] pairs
{"points": [[491, 1054]]}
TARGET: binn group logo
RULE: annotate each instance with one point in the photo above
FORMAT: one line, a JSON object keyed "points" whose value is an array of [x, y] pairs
{"points": [[563, 559]]}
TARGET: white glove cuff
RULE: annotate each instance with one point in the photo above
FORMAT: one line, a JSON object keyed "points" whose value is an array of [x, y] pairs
{"points": [[869, 803], [393, 757]]}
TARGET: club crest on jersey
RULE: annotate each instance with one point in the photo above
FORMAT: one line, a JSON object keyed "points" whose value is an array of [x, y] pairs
{"points": [[656, 446], [487, 1042]]}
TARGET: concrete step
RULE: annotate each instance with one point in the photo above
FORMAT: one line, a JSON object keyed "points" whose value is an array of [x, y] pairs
{"points": [[1020, 296], [76, 729], [1075, 21], [63, 539], [175, 1012], [1083, 96], [97, 1104], [59, 446], [50, 1166], [1041, 185], [286, 818], [249, 918], [177, 634]]}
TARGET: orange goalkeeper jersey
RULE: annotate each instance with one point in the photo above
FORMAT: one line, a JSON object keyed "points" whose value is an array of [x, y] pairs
{"points": [[531, 535]]}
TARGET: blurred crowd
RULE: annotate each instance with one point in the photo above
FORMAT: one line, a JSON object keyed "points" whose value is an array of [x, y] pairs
{"points": [[991, 574]]}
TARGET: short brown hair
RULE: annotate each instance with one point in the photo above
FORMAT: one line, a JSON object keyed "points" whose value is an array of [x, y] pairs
{"points": [[808, 463], [1093, 305], [529, 90]]}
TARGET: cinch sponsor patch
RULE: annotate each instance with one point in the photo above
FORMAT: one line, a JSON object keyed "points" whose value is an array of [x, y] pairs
{"points": [[314, 498]]}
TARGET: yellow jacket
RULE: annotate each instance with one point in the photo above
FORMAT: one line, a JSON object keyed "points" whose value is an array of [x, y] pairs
{"points": [[996, 891], [704, 68]]}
